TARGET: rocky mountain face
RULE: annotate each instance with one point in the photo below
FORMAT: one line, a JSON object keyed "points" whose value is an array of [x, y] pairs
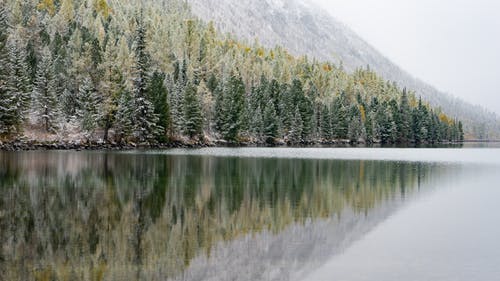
{"points": [[305, 29]]}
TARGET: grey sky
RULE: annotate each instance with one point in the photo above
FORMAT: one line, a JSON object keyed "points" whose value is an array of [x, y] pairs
{"points": [[452, 44]]}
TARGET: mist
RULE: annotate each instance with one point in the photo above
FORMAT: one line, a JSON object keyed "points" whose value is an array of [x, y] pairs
{"points": [[453, 45]]}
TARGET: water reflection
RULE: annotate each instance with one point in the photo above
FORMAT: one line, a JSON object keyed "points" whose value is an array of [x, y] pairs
{"points": [[112, 216]]}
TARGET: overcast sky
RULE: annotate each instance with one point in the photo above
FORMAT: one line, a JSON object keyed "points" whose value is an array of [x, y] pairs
{"points": [[452, 44]]}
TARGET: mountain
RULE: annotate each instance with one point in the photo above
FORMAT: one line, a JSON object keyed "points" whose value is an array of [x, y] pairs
{"points": [[304, 29]]}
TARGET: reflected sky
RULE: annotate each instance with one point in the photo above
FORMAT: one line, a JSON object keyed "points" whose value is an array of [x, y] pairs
{"points": [[449, 234]]}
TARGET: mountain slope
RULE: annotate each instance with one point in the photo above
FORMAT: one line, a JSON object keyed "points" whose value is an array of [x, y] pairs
{"points": [[304, 29]]}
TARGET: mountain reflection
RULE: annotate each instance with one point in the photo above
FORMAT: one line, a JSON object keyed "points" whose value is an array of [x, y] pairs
{"points": [[116, 216]]}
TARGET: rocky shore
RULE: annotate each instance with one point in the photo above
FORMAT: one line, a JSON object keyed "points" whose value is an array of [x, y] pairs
{"points": [[43, 145], [26, 145]]}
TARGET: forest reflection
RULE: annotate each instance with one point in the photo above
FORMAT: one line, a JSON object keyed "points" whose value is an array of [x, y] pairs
{"points": [[119, 216]]}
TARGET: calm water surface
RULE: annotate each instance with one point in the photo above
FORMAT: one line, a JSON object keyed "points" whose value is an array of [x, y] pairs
{"points": [[251, 214]]}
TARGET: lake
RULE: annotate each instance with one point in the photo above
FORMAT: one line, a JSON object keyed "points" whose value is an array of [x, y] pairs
{"points": [[251, 214]]}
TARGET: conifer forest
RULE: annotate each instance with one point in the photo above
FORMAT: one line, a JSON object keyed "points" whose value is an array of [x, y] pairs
{"points": [[149, 72]]}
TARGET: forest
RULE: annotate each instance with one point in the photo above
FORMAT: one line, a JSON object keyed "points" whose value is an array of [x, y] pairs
{"points": [[149, 72]]}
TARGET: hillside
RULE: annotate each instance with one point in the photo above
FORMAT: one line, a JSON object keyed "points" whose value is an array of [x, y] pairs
{"points": [[148, 72], [305, 29]]}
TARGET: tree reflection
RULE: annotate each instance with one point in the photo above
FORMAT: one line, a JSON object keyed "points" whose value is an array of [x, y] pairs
{"points": [[111, 216]]}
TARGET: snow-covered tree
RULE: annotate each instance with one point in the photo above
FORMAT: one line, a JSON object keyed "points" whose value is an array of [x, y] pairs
{"points": [[295, 136], [7, 99], [192, 113], [257, 124], [145, 120], [158, 95], [18, 84], [233, 104], [270, 123], [326, 123], [46, 102], [124, 114], [90, 105]]}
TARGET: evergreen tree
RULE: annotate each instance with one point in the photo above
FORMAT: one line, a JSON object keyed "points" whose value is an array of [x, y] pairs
{"points": [[306, 108], [44, 94], [233, 105], [212, 83], [18, 84], [69, 102], [270, 124], [124, 115], [420, 121], [355, 125], [386, 126], [339, 121], [219, 107], [369, 125], [460, 131], [159, 96], [373, 127], [192, 113], [257, 124], [394, 109], [326, 123], [274, 93], [7, 99], [260, 94], [144, 118], [404, 122], [288, 101], [296, 132], [90, 103], [176, 97], [314, 96]]}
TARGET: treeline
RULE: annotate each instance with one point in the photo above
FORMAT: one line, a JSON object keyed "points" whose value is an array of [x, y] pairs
{"points": [[73, 68]]}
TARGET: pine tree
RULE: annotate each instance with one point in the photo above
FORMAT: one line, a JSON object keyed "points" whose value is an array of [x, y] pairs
{"points": [[212, 83], [69, 102], [90, 102], [296, 132], [339, 121], [355, 125], [369, 124], [219, 107], [270, 124], [257, 124], [373, 127], [44, 94], [17, 86], [159, 96], [460, 131], [7, 99], [386, 126], [306, 108], [192, 113], [420, 121], [144, 118], [124, 115], [326, 123], [233, 105], [178, 83], [404, 123]]}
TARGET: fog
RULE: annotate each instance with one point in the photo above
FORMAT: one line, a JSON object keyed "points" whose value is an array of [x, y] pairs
{"points": [[453, 45]]}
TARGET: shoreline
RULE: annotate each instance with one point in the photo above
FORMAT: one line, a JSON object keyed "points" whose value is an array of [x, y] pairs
{"points": [[32, 145]]}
